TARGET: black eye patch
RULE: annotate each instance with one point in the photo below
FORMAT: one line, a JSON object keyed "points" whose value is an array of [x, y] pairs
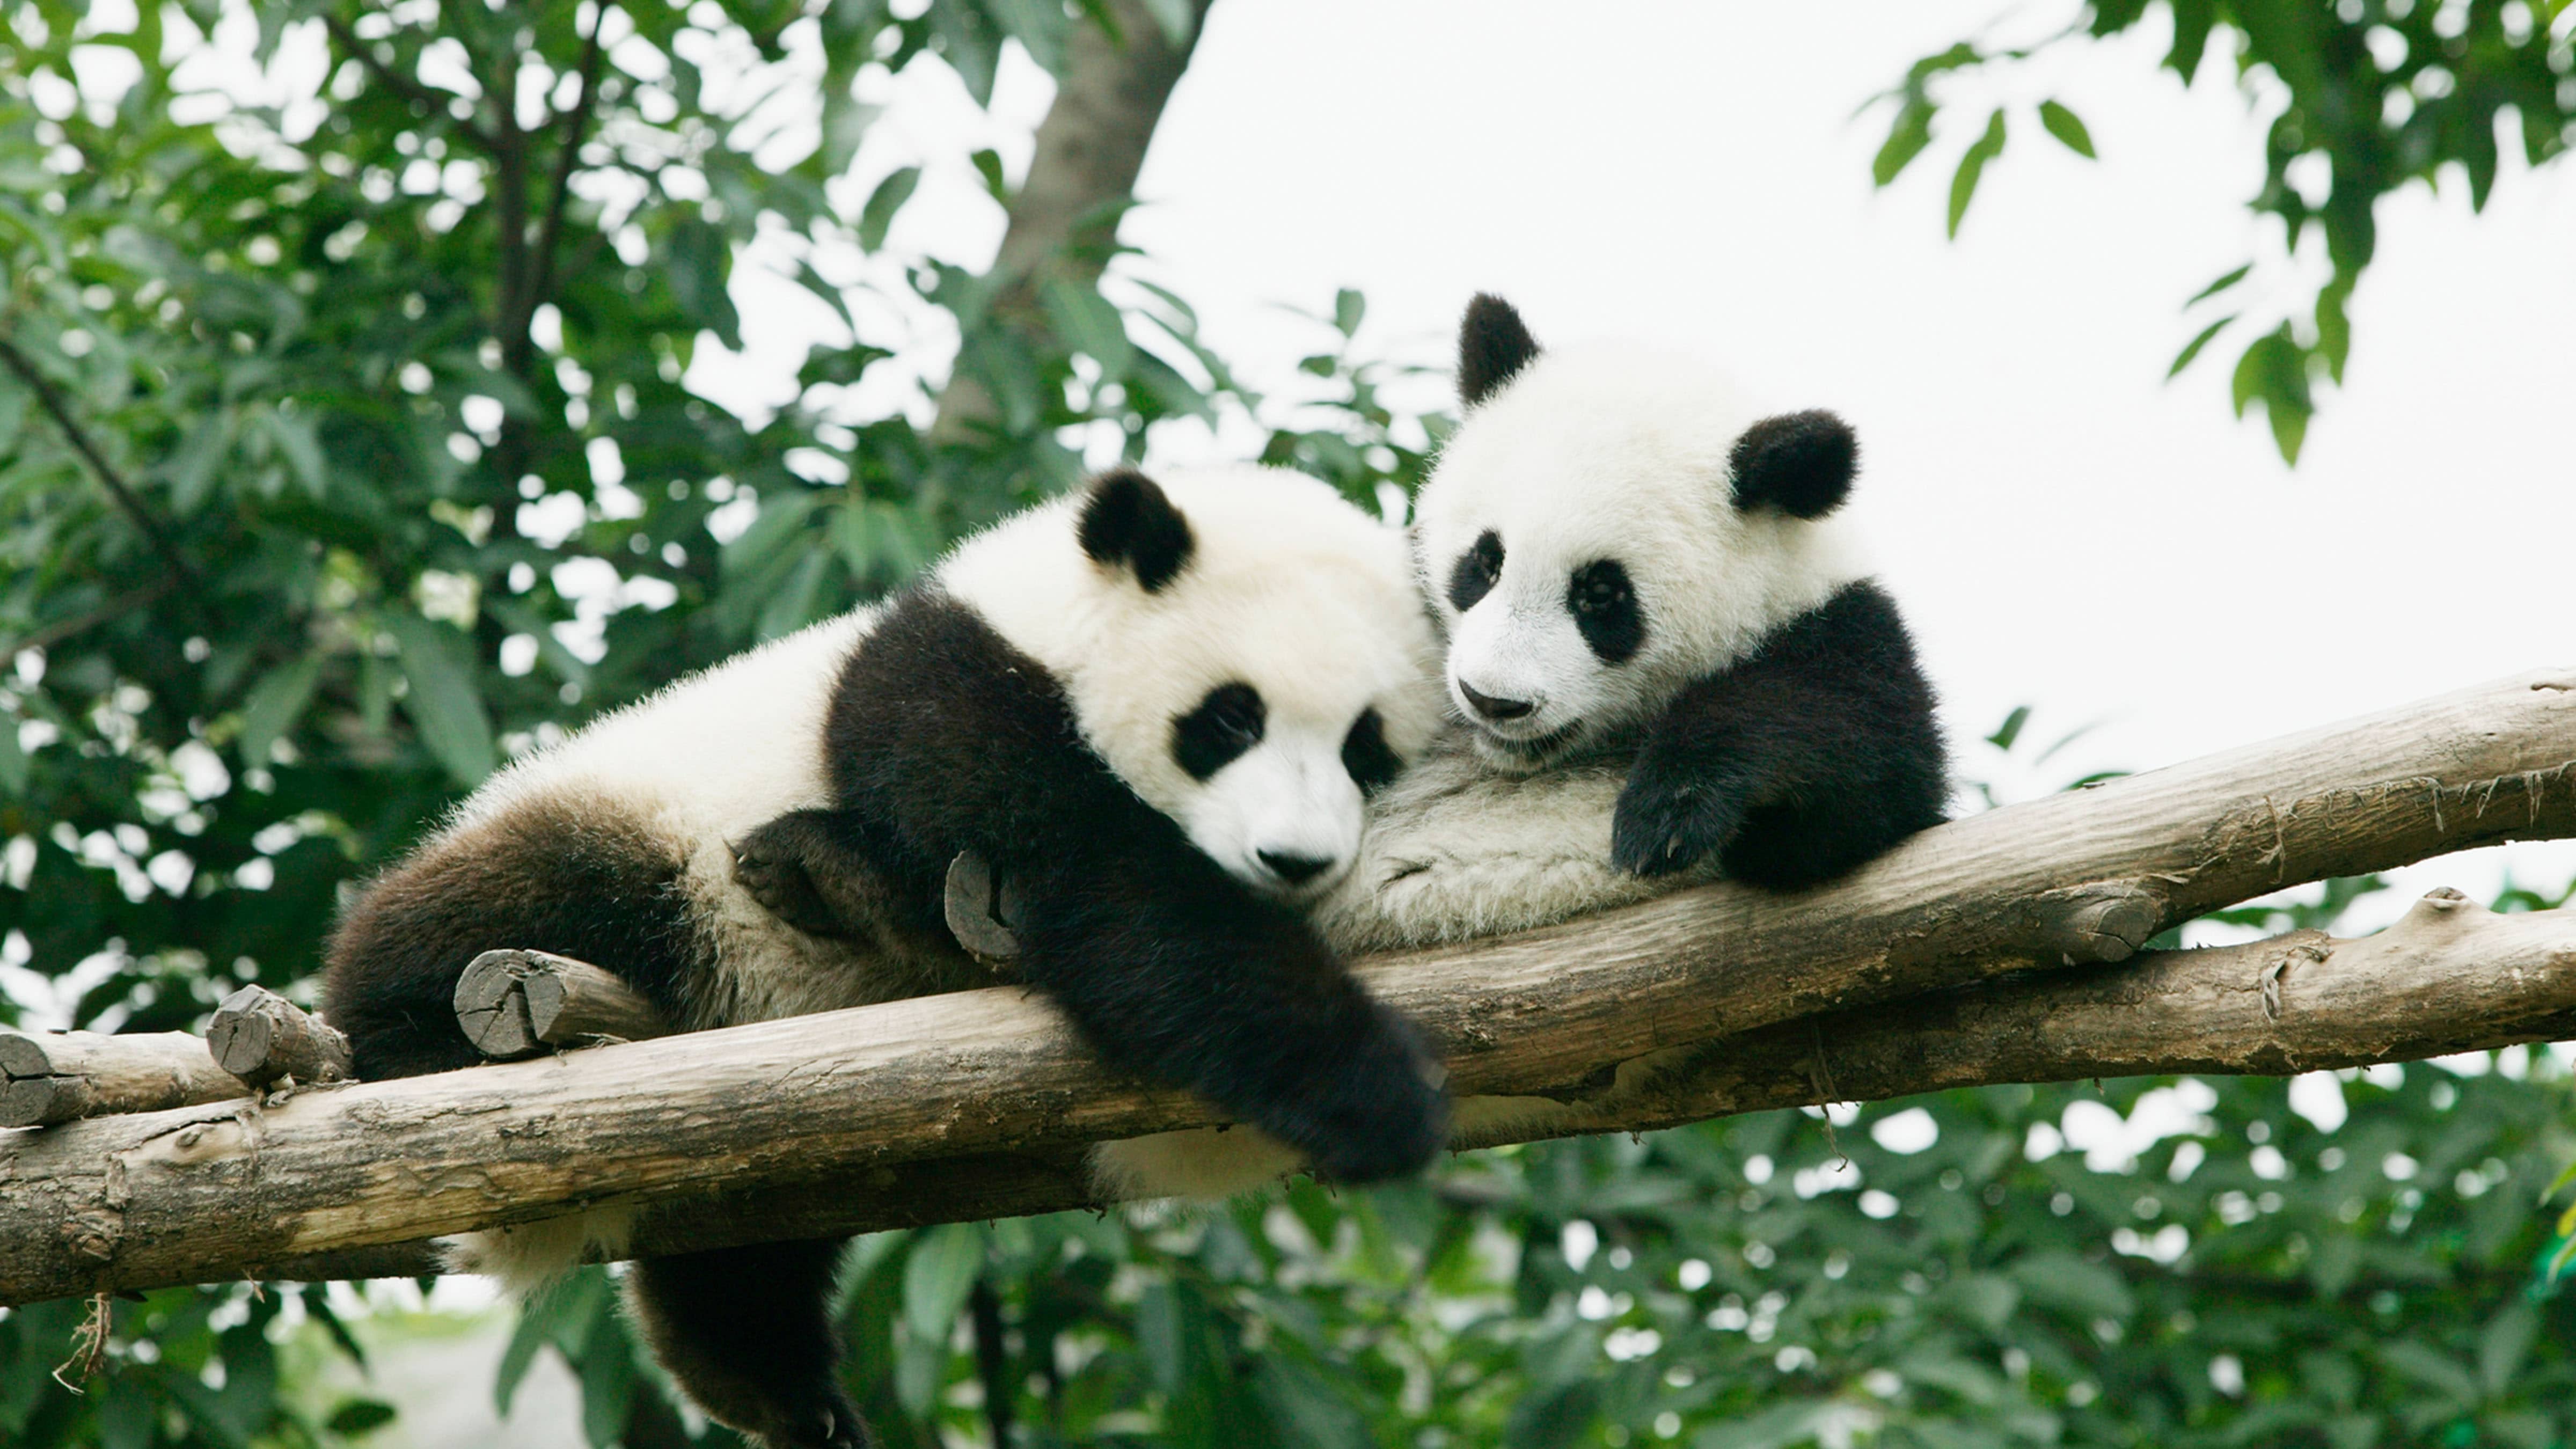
{"points": [[1605, 610], [1227, 722], [1476, 572], [1372, 765]]}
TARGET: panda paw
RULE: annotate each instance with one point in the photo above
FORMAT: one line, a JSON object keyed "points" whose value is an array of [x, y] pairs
{"points": [[770, 867], [1667, 824], [1379, 1113]]}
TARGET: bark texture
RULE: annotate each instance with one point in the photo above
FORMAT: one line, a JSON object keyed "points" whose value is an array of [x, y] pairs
{"points": [[514, 1004], [974, 1104], [58, 1076], [261, 1037]]}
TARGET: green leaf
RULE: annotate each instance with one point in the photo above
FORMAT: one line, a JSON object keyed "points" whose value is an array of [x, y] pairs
{"points": [[359, 1416], [273, 707], [2274, 369], [988, 164], [2192, 20], [2010, 729], [442, 702], [1088, 324], [15, 768], [1348, 308], [2221, 285], [878, 215], [293, 434], [937, 1278], [2506, 1344], [697, 258], [193, 468], [1963, 183], [2066, 126], [1907, 135], [2192, 348]]}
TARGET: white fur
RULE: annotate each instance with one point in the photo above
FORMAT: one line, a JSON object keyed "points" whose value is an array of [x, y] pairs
{"points": [[1289, 589], [1609, 453]]}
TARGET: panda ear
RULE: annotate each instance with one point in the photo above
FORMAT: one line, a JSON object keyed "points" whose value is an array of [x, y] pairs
{"points": [[1799, 463], [1493, 346], [1128, 521]]}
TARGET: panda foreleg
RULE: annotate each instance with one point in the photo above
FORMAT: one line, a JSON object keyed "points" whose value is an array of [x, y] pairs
{"points": [[748, 1334], [1808, 759], [1177, 972], [829, 873]]}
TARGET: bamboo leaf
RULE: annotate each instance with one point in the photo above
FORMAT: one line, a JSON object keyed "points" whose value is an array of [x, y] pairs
{"points": [[2068, 127], [1972, 165]]}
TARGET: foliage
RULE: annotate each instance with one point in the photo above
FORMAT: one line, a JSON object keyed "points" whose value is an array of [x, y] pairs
{"points": [[2372, 95], [348, 450]]}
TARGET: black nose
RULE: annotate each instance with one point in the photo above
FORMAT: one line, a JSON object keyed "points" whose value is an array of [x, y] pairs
{"points": [[1492, 708], [1295, 869]]}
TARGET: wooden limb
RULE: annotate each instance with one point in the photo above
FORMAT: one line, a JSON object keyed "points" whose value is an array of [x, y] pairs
{"points": [[261, 1037], [58, 1076], [2450, 977], [1088, 152], [173, 1197], [518, 1003]]}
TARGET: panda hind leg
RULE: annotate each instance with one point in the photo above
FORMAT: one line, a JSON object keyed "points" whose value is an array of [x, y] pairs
{"points": [[748, 1334], [821, 872]]}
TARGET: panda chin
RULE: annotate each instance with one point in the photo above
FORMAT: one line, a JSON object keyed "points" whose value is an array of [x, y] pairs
{"points": [[1526, 756]]}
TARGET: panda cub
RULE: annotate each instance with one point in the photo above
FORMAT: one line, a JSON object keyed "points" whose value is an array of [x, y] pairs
{"points": [[1154, 708], [1666, 657], [1667, 665]]}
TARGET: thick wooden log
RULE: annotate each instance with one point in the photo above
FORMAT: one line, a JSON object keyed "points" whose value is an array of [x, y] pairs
{"points": [[514, 1004], [163, 1197], [52, 1077], [2450, 977], [261, 1037]]}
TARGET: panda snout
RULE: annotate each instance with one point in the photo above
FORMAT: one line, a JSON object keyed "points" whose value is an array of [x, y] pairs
{"points": [[1295, 870], [1493, 708]]}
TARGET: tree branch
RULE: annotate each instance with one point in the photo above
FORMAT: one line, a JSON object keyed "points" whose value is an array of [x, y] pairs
{"points": [[966, 1106], [1089, 151], [126, 499], [575, 122], [402, 85]]}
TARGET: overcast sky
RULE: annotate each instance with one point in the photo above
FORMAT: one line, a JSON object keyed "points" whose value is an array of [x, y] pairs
{"points": [[2065, 528]]}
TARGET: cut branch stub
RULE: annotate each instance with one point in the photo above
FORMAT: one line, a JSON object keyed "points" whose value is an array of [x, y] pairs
{"points": [[260, 1037], [58, 1076], [517, 1003]]}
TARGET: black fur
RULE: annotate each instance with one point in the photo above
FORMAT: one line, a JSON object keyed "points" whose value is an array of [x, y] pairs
{"points": [[1808, 759], [1172, 968], [1493, 346], [1128, 520], [1366, 754], [546, 875], [1799, 463], [749, 1333], [1606, 611], [1476, 572], [1225, 724]]}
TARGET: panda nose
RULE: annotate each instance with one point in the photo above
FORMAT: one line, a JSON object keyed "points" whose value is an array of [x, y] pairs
{"points": [[1294, 869], [1492, 708]]}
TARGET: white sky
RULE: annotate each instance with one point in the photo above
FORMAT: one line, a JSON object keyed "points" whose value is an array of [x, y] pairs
{"points": [[2065, 529]]}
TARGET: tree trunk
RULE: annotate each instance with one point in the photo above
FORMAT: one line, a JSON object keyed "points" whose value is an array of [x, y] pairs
{"points": [[963, 1106]]}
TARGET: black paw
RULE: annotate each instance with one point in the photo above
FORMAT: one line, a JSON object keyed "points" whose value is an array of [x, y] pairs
{"points": [[774, 874], [1378, 1113], [1667, 824], [837, 1426]]}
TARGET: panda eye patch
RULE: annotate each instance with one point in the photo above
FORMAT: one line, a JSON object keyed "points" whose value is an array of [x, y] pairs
{"points": [[1605, 610], [1365, 753], [1478, 568], [1227, 722]]}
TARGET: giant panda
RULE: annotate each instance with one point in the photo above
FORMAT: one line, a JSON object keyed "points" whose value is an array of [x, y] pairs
{"points": [[1667, 663], [1154, 709]]}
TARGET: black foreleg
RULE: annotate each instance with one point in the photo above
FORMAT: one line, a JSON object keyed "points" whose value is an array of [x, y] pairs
{"points": [[748, 1334], [1810, 758], [1185, 976]]}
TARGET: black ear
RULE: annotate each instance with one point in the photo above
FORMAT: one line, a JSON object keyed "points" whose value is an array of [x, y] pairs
{"points": [[1128, 520], [1493, 347], [1799, 463]]}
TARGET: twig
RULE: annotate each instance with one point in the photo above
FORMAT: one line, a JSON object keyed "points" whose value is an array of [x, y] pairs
{"points": [[108, 477], [403, 85], [61, 629], [576, 125]]}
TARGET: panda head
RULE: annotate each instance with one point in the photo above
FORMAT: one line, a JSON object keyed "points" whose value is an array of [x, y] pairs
{"points": [[1607, 525], [1244, 648]]}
